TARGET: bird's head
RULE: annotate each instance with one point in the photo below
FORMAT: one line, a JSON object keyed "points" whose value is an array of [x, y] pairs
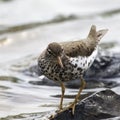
{"points": [[55, 51]]}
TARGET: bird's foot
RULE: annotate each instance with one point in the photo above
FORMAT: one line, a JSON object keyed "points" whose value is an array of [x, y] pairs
{"points": [[56, 112], [51, 117], [71, 106], [59, 110]]}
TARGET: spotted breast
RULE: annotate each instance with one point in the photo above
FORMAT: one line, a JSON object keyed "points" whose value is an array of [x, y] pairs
{"points": [[67, 61]]}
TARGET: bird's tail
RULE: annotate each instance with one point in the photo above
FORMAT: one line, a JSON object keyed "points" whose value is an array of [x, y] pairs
{"points": [[96, 35]]}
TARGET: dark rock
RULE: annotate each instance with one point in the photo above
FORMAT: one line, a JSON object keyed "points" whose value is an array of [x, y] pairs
{"points": [[93, 83], [32, 71], [104, 105], [101, 105], [107, 83], [104, 66], [44, 81]]}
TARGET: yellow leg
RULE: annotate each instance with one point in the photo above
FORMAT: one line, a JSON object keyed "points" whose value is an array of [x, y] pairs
{"points": [[83, 84], [62, 96], [61, 100]]}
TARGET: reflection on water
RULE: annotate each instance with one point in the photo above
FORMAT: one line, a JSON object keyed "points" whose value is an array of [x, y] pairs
{"points": [[23, 38], [9, 78]]}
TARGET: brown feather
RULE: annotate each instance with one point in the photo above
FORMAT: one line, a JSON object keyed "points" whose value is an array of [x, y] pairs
{"points": [[83, 47]]}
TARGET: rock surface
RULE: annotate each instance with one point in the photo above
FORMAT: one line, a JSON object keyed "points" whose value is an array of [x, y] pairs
{"points": [[102, 105], [105, 66]]}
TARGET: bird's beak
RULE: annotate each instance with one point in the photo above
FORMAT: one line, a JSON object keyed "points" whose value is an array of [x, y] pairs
{"points": [[60, 62]]}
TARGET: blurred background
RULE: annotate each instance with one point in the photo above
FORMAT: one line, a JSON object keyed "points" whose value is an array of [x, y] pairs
{"points": [[27, 26]]}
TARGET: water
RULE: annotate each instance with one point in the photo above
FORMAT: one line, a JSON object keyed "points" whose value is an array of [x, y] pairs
{"points": [[26, 27]]}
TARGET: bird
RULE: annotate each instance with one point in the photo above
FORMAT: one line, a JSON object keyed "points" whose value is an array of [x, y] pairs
{"points": [[66, 61]]}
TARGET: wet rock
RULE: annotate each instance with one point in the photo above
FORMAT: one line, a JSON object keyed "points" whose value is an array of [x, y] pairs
{"points": [[44, 81], [32, 71], [104, 105], [104, 66], [93, 83], [101, 105], [76, 83]]}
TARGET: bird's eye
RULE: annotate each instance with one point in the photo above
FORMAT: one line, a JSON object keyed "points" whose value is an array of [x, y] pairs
{"points": [[49, 51]]}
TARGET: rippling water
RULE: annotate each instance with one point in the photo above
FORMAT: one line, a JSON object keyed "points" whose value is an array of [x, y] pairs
{"points": [[26, 27]]}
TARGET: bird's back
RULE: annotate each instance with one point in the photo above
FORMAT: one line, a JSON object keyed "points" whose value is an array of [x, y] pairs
{"points": [[78, 57], [84, 47]]}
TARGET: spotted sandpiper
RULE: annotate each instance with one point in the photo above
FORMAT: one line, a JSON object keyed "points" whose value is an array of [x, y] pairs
{"points": [[66, 61]]}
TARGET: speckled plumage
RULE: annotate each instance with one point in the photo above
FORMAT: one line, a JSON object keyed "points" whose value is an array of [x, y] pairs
{"points": [[62, 62], [73, 67], [77, 57]]}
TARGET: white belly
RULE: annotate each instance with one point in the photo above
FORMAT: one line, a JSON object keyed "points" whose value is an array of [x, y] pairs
{"points": [[84, 62]]}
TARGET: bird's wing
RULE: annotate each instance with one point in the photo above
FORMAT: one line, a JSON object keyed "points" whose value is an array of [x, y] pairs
{"points": [[86, 46], [76, 48]]}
